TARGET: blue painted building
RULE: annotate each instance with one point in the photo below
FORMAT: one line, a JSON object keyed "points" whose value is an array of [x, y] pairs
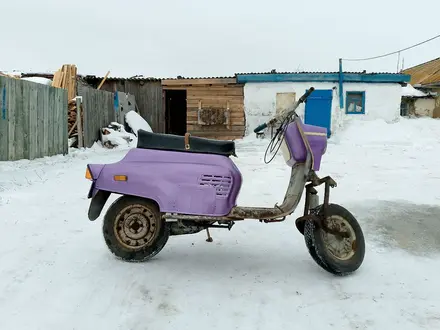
{"points": [[338, 96]]}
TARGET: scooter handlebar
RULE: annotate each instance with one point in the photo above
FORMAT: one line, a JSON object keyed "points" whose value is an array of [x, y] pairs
{"points": [[284, 113], [306, 95], [260, 128]]}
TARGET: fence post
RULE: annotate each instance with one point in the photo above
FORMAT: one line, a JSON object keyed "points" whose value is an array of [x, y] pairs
{"points": [[79, 121]]}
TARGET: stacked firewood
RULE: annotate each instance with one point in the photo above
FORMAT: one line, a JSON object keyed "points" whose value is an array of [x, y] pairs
{"points": [[66, 78]]}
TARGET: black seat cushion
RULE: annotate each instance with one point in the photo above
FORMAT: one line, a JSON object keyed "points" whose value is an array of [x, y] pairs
{"points": [[159, 141]]}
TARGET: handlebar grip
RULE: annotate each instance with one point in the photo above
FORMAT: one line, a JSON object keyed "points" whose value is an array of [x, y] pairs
{"points": [[260, 128], [306, 95]]}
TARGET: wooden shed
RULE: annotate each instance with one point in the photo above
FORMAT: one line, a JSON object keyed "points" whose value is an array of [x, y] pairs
{"points": [[205, 107], [147, 92]]}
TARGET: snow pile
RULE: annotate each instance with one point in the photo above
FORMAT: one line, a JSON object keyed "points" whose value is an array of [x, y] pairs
{"points": [[115, 135], [410, 91], [136, 122], [375, 182], [405, 131], [39, 80]]}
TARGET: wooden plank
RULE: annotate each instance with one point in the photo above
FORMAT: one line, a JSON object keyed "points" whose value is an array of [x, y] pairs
{"points": [[103, 80], [215, 128], [219, 101], [234, 121], [202, 81], [64, 115], [56, 125], [51, 122], [215, 134], [192, 115], [4, 116], [24, 115], [191, 93], [215, 87], [46, 135], [41, 134], [88, 116], [194, 102], [63, 119], [11, 98], [33, 122], [58, 108]]}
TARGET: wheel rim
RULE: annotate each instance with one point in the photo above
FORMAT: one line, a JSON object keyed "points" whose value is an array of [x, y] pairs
{"points": [[136, 227], [342, 248]]}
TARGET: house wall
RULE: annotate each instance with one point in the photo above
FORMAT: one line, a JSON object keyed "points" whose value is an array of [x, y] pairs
{"points": [[382, 100], [213, 95], [436, 111], [424, 107]]}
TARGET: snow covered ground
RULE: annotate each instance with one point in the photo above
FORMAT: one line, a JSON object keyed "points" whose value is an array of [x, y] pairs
{"points": [[56, 272]]}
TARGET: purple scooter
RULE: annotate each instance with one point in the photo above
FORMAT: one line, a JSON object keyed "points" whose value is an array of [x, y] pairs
{"points": [[179, 185]]}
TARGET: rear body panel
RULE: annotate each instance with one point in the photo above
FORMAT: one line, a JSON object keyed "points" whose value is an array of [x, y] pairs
{"points": [[179, 182]]}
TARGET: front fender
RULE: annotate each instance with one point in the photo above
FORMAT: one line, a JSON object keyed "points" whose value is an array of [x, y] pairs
{"points": [[97, 204]]}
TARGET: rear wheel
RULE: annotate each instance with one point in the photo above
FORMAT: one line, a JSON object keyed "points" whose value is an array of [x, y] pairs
{"points": [[337, 255], [134, 229]]}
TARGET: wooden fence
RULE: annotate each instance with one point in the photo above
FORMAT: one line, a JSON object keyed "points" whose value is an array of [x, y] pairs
{"points": [[99, 111], [33, 120]]}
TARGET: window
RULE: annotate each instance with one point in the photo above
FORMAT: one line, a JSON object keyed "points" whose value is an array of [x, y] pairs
{"points": [[355, 103]]}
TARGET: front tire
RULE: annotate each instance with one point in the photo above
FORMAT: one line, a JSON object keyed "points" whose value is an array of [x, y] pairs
{"points": [[337, 255], [134, 230]]}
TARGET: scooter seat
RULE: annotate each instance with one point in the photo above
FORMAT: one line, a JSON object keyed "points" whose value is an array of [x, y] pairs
{"points": [[170, 142]]}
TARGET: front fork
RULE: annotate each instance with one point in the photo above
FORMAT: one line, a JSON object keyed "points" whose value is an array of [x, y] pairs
{"points": [[312, 210]]}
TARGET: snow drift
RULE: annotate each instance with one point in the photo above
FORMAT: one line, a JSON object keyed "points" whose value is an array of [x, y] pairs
{"points": [[39, 80], [136, 122]]}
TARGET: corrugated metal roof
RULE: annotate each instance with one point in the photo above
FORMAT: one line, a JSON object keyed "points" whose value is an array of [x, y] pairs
{"points": [[316, 72], [138, 78], [142, 78], [193, 78], [426, 73], [133, 78]]}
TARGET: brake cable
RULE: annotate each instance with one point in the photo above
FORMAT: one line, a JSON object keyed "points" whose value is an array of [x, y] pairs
{"points": [[279, 136]]}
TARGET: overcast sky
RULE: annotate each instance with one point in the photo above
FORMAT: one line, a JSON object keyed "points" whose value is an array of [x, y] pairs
{"points": [[165, 38]]}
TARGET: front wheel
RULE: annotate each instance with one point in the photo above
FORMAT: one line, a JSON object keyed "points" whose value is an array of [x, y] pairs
{"points": [[134, 229], [337, 255]]}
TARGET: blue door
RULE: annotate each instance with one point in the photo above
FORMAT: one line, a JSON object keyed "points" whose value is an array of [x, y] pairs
{"points": [[318, 110]]}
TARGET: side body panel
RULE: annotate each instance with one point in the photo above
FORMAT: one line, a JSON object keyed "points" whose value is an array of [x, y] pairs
{"points": [[179, 182]]}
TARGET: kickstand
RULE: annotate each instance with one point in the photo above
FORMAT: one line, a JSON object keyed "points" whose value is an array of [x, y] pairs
{"points": [[209, 239]]}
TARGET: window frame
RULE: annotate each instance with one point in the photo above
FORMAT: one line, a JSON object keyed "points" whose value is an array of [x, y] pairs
{"points": [[363, 103]]}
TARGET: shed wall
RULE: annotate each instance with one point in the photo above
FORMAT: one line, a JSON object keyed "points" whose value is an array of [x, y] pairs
{"points": [[148, 97], [215, 95]]}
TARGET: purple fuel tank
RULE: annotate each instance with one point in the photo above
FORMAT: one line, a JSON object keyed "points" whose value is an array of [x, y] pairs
{"points": [[180, 182]]}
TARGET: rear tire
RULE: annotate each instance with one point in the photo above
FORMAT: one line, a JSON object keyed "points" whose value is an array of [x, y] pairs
{"points": [[335, 255], [134, 230]]}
